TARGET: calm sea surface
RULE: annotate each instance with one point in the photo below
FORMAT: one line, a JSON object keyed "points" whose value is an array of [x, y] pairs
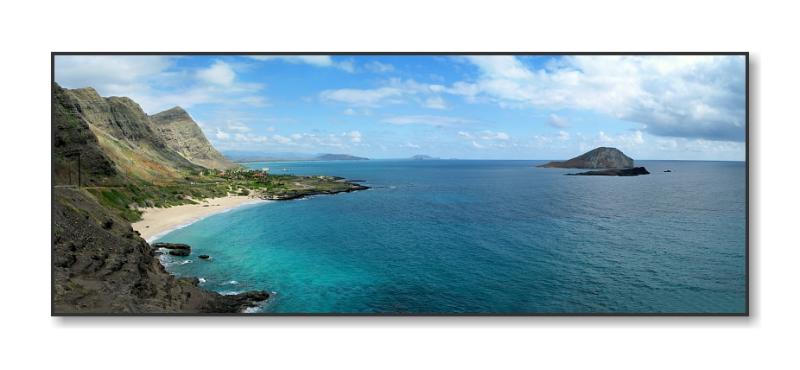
{"points": [[448, 236]]}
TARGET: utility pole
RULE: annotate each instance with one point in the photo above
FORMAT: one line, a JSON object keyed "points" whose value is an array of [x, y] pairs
{"points": [[73, 153]]}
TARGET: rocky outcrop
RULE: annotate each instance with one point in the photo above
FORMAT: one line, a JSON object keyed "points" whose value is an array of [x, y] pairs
{"points": [[182, 134], [175, 249], [104, 267], [636, 171], [602, 157]]}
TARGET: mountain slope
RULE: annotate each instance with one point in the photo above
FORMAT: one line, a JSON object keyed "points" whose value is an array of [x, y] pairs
{"points": [[602, 157], [125, 135], [183, 135], [72, 136]]}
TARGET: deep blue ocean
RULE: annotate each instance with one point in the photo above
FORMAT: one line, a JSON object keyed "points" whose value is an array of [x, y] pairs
{"points": [[463, 236]]}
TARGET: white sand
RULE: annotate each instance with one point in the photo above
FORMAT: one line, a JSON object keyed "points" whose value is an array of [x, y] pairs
{"points": [[157, 221]]}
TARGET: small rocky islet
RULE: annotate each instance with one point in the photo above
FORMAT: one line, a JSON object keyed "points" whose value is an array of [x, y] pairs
{"points": [[603, 161]]}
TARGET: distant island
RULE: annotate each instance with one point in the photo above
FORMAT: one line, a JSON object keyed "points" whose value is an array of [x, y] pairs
{"points": [[256, 156], [422, 157], [608, 162], [339, 157]]}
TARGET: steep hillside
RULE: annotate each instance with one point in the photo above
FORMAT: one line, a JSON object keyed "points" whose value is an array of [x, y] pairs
{"points": [[124, 133], [74, 141], [602, 157], [101, 265], [182, 134]]}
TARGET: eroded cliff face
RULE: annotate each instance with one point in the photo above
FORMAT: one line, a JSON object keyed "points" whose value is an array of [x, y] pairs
{"points": [[182, 134], [125, 134], [101, 265], [71, 137], [602, 157]]}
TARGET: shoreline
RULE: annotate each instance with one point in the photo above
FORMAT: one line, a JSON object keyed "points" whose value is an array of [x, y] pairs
{"points": [[157, 222]]}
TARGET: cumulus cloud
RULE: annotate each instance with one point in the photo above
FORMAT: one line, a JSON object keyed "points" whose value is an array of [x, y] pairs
{"points": [[155, 83], [557, 121], [681, 96], [219, 73]]}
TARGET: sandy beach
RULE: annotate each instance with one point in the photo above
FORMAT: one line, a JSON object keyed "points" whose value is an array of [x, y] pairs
{"points": [[156, 221]]}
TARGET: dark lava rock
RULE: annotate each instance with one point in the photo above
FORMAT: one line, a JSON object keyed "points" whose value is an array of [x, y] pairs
{"points": [[172, 246], [203, 256], [667, 170], [101, 271], [180, 252], [636, 171]]}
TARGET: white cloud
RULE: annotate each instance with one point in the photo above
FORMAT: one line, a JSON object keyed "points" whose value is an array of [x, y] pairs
{"points": [[378, 67], [435, 102], [355, 136], [238, 127], [314, 60], [153, 82], [222, 135], [392, 91], [682, 96], [219, 73], [425, 120], [563, 135], [557, 121], [411, 146], [359, 97], [491, 135]]}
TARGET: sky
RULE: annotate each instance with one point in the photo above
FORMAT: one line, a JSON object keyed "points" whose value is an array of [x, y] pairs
{"points": [[467, 107]]}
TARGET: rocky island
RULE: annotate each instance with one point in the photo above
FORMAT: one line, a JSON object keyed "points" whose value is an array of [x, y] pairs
{"points": [[606, 161]]}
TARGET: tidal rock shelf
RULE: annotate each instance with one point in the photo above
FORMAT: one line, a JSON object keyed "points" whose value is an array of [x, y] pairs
{"points": [[636, 171]]}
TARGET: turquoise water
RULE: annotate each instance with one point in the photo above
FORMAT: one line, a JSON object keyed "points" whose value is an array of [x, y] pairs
{"points": [[486, 237]]}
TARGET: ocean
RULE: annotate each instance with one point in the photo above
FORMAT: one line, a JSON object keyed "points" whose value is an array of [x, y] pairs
{"points": [[485, 237]]}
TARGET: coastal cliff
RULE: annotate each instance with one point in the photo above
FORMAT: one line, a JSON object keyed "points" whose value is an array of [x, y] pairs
{"points": [[105, 158], [602, 157], [101, 265]]}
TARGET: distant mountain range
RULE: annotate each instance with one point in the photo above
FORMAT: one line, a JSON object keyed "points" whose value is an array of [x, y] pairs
{"points": [[256, 156], [422, 157]]}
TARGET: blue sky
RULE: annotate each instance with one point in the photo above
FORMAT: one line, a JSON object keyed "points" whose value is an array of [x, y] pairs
{"points": [[481, 107]]}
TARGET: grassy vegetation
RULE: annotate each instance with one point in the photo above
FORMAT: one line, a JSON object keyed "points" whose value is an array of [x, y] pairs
{"points": [[126, 200]]}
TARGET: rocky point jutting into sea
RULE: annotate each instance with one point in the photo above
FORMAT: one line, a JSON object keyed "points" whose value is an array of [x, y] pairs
{"points": [[110, 161]]}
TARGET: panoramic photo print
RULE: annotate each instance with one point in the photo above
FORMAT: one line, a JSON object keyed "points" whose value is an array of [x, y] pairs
{"points": [[399, 184]]}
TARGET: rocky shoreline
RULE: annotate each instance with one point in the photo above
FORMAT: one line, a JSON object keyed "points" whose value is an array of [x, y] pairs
{"points": [[636, 171], [303, 194], [102, 266]]}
